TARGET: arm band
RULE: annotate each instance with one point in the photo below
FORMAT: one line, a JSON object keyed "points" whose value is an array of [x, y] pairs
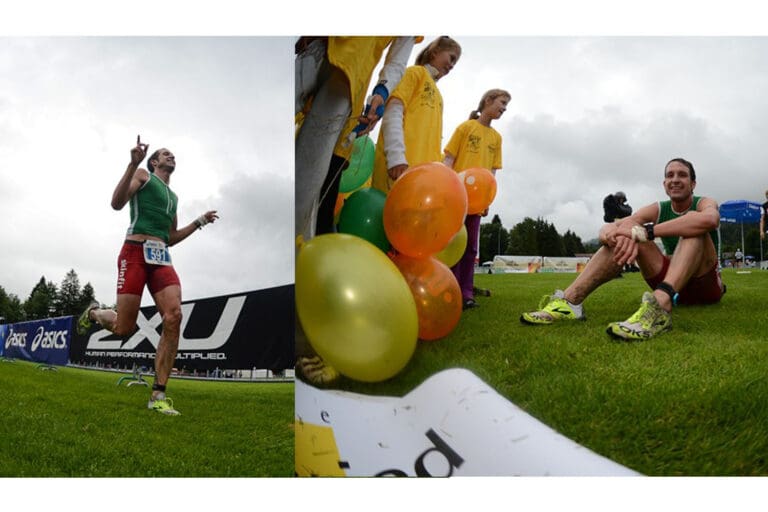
{"points": [[639, 234], [201, 221], [666, 287], [382, 91]]}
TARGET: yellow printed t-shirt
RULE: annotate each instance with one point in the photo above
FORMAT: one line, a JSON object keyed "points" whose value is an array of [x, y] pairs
{"points": [[475, 145], [356, 57], [422, 124]]}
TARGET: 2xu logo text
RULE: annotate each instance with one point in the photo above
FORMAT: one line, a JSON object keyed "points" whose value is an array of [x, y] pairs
{"points": [[99, 340]]}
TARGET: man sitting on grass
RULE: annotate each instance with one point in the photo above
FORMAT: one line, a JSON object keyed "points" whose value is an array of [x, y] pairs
{"points": [[687, 226]]}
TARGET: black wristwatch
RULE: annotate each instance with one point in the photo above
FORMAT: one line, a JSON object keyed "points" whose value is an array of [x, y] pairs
{"points": [[649, 230]]}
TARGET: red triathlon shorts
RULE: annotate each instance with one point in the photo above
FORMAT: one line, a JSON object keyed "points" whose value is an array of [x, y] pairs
{"points": [[133, 272], [706, 289]]}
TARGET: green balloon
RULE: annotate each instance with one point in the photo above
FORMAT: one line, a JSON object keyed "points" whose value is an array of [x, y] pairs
{"points": [[363, 216], [360, 165]]}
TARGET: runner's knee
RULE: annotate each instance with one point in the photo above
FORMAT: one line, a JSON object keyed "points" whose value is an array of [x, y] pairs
{"points": [[172, 317]]}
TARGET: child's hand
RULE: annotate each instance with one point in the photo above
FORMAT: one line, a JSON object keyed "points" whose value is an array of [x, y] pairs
{"points": [[397, 171], [373, 112]]}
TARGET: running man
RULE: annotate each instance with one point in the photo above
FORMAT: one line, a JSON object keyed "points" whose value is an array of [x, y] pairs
{"points": [[145, 260], [687, 274]]}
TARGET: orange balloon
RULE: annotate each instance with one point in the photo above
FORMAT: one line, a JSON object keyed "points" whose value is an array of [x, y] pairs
{"points": [[436, 292], [481, 188], [424, 210]]}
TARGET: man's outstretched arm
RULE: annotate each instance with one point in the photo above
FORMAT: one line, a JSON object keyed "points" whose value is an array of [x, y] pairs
{"points": [[177, 235]]}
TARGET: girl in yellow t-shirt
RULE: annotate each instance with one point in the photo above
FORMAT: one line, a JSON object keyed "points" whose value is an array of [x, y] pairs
{"points": [[412, 126], [476, 144]]}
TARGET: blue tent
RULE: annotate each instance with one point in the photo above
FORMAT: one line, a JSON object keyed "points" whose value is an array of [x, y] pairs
{"points": [[741, 211]]}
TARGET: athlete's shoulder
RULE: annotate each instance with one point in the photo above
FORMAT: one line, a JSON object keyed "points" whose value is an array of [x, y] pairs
{"points": [[703, 202], [142, 175]]}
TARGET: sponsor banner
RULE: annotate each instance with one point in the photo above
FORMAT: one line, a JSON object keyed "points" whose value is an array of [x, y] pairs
{"points": [[251, 329], [516, 264], [41, 341], [563, 264], [453, 424]]}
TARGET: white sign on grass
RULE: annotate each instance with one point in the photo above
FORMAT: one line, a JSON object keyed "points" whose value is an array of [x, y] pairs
{"points": [[451, 425]]}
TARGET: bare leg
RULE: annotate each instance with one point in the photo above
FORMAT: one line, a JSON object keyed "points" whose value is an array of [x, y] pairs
{"points": [[692, 257], [122, 322], [168, 302], [649, 259], [599, 270]]}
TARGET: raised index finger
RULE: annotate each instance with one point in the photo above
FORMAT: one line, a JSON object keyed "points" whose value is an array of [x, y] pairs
{"points": [[138, 140]]}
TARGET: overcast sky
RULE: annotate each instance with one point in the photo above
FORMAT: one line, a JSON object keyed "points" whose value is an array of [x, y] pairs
{"points": [[591, 116], [70, 112], [588, 116]]}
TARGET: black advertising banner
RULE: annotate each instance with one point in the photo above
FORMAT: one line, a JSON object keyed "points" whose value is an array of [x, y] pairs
{"points": [[240, 331]]}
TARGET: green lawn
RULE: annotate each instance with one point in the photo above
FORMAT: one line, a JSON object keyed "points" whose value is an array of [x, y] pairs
{"points": [[79, 423], [693, 401]]}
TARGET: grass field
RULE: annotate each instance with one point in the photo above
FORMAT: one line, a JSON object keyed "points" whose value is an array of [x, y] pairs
{"points": [[693, 401], [79, 423]]}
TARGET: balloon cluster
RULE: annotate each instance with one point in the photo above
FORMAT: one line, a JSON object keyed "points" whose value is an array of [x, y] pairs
{"points": [[424, 212], [363, 310]]}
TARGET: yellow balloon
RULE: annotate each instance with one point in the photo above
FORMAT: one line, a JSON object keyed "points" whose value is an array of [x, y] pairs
{"points": [[455, 248], [355, 307]]}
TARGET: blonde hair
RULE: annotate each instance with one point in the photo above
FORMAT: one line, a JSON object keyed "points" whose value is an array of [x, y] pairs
{"points": [[438, 45], [489, 95]]}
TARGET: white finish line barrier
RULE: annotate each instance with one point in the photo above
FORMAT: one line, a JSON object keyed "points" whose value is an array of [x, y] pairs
{"points": [[532, 264]]}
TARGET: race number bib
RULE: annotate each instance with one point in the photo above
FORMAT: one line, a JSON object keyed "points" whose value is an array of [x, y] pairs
{"points": [[156, 253]]}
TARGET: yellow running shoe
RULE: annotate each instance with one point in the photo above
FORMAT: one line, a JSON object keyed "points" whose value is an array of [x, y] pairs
{"points": [[84, 322], [648, 321], [551, 308], [164, 406]]}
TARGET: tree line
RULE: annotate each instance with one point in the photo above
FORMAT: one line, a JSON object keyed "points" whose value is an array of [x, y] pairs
{"points": [[730, 239], [540, 238], [47, 300], [528, 238]]}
